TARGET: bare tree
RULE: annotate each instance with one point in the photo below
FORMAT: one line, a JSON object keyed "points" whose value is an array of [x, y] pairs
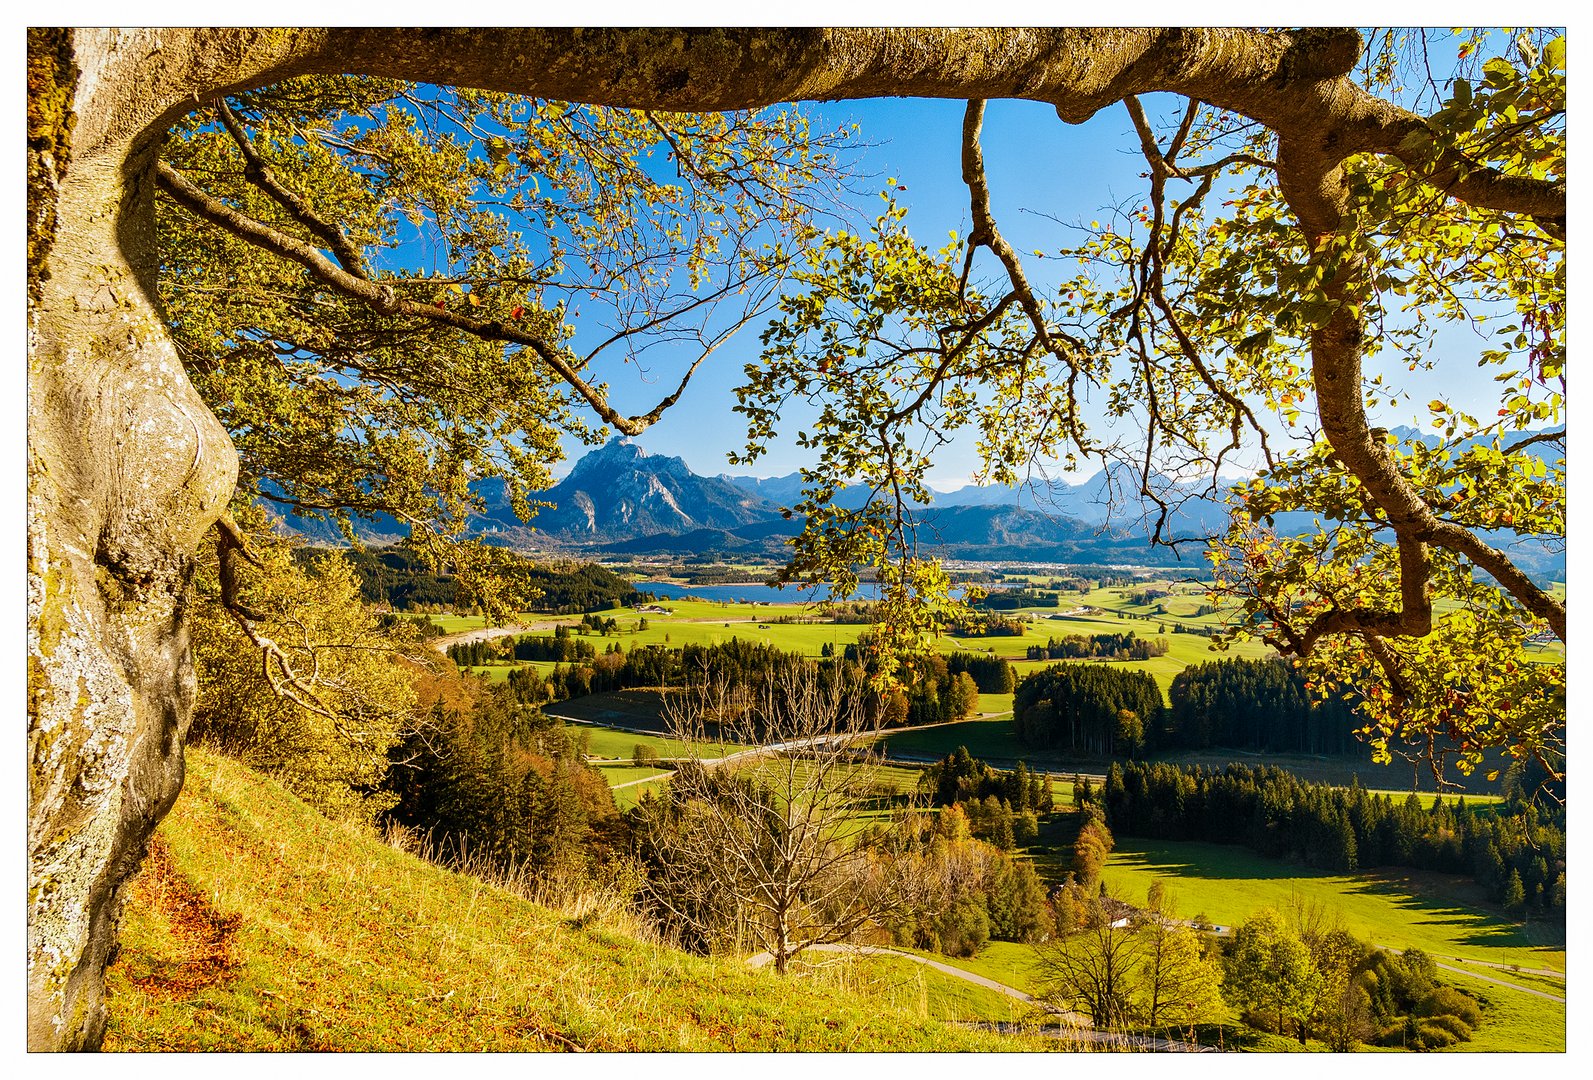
{"points": [[1095, 968], [1128, 966], [763, 847]]}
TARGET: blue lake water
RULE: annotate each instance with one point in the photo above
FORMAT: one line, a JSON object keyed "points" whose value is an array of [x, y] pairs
{"points": [[791, 594]]}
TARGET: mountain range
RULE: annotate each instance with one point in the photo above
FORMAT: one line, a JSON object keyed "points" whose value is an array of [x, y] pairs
{"points": [[619, 500]]}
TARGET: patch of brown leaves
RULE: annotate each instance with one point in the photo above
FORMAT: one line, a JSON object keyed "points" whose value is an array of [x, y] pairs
{"points": [[201, 936]]}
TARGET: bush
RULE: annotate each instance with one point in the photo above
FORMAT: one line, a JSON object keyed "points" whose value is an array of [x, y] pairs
{"points": [[1431, 1036], [1447, 1001], [644, 754], [1450, 1023], [1392, 1034]]}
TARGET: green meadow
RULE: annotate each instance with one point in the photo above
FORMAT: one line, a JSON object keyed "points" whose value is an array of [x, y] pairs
{"points": [[1439, 914]]}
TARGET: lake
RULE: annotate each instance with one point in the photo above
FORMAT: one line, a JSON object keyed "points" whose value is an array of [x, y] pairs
{"points": [[750, 593]]}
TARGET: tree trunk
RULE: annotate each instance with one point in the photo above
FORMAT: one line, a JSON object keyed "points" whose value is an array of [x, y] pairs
{"points": [[126, 471]]}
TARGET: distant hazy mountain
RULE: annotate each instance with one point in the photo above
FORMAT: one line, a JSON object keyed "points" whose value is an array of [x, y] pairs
{"points": [[382, 529], [786, 491]]}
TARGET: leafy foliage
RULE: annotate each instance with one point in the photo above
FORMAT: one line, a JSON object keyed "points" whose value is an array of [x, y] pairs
{"points": [[1238, 334], [327, 738], [379, 382]]}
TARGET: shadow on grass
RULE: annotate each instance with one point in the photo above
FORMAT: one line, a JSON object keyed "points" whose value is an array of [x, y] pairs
{"points": [[1209, 861], [1456, 905], [1471, 924]]}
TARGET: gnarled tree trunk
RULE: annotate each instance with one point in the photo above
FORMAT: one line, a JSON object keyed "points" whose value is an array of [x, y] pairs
{"points": [[126, 470]]}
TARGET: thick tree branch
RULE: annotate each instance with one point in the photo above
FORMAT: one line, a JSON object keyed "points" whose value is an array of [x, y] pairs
{"points": [[257, 172]]}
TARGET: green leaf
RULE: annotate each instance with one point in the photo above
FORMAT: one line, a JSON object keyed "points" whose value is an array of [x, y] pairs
{"points": [[1554, 54]]}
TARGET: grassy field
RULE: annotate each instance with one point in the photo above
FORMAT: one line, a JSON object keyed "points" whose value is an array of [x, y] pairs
{"points": [[1440, 914], [260, 925], [918, 990], [610, 743], [626, 774], [711, 622]]}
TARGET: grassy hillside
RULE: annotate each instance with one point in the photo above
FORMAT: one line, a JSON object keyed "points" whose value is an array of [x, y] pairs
{"points": [[259, 925]]}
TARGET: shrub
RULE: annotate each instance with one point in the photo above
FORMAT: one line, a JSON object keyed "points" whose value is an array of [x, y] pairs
{"points": [[1450, 1023], [1447, 1001], [1431, 1036]]}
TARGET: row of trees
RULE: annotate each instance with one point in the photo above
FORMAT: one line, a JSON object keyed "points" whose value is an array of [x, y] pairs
{"points": [[1090, 709], [1516, 851], [1012, 599], [990, 625], [406, 579], [1254, 705], [1109, 646], [1234, 703]]}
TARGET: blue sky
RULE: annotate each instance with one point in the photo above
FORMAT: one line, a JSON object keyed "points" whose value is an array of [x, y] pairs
{"points": [[1036, 163]]}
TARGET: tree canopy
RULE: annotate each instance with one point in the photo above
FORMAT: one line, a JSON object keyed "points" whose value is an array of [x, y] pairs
{"points": [[377, 285], [1218, 329]]}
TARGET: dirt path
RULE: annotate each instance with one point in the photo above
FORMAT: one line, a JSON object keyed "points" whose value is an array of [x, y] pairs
{"points": [[1072, 1026]]}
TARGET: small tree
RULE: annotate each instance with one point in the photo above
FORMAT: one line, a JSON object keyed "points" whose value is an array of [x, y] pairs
{"points": [[1270, 973], [1093, 969], [296, 678], [761, 849], [1179, 980]]}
